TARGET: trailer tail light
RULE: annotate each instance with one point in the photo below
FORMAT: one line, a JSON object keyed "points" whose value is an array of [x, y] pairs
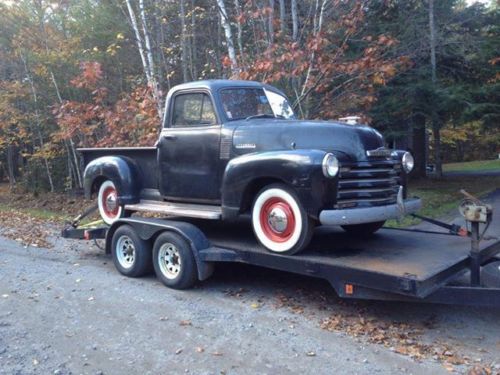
{"points": [[349, 289]]}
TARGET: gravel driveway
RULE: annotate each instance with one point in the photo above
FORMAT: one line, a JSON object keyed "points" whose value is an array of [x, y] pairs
{"points": [[66, 310]]}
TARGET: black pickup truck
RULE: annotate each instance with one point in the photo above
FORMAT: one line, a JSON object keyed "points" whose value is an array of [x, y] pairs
{"points": [[231, 149]]}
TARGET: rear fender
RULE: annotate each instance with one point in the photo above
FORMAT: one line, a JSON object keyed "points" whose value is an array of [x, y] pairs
{"points": [[299, 169], [121, 170]]}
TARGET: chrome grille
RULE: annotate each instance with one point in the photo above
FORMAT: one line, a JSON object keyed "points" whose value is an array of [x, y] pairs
{"points": [[368, 184]]}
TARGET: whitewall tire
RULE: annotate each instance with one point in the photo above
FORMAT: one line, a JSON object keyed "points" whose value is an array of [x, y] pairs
{"points": [[109, 209], [279, 221]]}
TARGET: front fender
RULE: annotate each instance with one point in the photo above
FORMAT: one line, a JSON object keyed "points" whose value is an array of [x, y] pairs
{"points": [[121, 170], [299, 169]]}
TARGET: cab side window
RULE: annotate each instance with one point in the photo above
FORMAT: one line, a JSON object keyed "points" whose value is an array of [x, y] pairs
{"points": [[193, 109]]}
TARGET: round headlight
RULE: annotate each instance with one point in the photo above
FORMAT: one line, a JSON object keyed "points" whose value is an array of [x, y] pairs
{"points": [[330, 165], [408, 162]]}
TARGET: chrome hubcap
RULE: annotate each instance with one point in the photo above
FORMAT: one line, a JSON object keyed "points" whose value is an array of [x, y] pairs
{"points": [[169, 260], [277, 220], [111, 202], [125, 252]]}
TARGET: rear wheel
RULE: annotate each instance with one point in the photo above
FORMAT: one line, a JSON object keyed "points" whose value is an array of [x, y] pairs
{"points": [[107, 201], [363, 229], [279, 221], [174, 262]]}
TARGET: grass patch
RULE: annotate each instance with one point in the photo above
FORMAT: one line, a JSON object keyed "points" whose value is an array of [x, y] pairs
{"points": [[472, 166], [36, 213], [442, 196]]}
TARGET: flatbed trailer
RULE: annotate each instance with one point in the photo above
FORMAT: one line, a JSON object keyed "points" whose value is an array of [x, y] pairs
{"points": [[398, 265]]}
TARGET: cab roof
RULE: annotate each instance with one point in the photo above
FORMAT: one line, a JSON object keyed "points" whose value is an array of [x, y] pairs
{"points": [[217, 84]]}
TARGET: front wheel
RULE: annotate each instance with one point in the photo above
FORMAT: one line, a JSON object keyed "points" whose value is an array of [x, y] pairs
{"points": [[279, 221], [363, 229]]}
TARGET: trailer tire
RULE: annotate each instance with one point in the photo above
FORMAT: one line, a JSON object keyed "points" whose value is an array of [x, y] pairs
{"points": [[131, 255], [366, 229], [174, 262], [109, 209], [293, 229]]}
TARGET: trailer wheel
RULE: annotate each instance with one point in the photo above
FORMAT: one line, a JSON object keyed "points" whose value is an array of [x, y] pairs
{"points": [[174, 261], [131, 254], [363, 229], [109, 209], [279, 221]]}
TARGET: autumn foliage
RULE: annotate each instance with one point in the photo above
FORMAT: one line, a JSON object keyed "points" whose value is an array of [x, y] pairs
{"points": [[130, 121]]}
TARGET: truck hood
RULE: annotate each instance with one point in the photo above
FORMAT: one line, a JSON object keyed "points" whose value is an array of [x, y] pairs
{"points": [[348, 142]]}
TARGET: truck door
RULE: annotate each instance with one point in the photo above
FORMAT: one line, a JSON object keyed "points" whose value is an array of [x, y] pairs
{"points": [[189, 150]]}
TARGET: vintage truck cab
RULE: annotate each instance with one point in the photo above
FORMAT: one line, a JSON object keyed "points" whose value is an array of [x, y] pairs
{"points": [[229, 149]]}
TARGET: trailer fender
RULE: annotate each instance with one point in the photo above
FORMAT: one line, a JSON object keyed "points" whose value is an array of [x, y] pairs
{"points": [[148, 229], [245, 175], [121, 170]]}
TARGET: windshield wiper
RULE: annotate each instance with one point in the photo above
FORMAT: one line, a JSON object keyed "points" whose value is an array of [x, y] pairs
{"points": [[264, 115]]}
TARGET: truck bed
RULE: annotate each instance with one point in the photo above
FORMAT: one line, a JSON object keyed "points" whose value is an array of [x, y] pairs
{"points": [[143, 157]]}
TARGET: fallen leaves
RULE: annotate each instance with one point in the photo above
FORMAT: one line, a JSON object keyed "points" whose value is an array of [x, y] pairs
{"points": [[289, 302], [400, 337], [185, 323], [25, 229]]}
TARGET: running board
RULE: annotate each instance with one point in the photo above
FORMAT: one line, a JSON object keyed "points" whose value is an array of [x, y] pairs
{"points": [[199, 211]]}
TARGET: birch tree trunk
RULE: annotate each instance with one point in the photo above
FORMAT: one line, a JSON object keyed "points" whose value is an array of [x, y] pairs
{"points": [[194, 51], [436, 131], [138, 39], [38, 123], [145, 52], [240, 31], [70, 145], [295, 20], [271, 22], [229, 37], [153, 83], [282, 18], [183, 42]]}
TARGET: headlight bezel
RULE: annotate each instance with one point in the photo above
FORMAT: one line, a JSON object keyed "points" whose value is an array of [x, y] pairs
{"points": [[408, 162], [330, 165]]}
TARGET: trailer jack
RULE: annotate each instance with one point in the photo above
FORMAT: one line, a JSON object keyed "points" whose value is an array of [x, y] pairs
{"points": [[475, 212]]}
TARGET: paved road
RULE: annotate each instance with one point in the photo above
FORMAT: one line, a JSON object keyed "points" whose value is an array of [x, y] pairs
{"points": [[66, 310]]}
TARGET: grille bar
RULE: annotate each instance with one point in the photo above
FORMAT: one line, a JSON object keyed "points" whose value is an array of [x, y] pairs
{"points": [[366, 184]]}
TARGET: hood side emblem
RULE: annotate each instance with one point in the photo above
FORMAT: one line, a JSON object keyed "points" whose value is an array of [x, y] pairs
{"points": [[245, 146]]}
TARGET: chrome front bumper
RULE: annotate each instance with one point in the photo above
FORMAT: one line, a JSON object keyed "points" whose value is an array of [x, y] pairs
{"points": [[370, 214]]}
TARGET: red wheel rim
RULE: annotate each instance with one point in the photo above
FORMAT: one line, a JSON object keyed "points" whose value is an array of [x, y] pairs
{"points": [[108, 195], [277, 205]]}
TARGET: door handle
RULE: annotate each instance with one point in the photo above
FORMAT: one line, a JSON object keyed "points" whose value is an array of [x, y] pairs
{"points": [[169, 136]]}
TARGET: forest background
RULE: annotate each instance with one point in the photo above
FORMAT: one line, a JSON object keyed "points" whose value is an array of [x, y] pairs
{"points": [[95, 73]]}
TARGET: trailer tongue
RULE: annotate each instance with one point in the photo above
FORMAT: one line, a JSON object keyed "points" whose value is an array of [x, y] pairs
{"points": [[455, 267]]}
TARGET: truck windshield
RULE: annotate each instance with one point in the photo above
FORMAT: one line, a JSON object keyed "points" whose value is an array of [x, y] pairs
{"points": [[242, 103]]}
